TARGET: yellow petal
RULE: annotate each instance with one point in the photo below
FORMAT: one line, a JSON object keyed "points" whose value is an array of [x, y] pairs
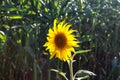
{"points": [[55, 26], [60, 26], [66, 27], [52, 55]]}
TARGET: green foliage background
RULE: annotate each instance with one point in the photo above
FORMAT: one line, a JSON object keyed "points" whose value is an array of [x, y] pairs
{"points": [[25, 23]]}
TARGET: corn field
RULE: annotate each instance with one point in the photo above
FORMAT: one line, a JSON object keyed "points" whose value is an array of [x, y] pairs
{"points": [[24, 25]]}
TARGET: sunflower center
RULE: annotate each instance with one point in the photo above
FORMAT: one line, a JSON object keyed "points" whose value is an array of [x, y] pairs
{"points": [[60, 40]]}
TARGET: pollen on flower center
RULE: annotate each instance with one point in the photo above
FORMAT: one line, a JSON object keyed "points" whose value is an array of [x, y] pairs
{"points": [[60, 40]]}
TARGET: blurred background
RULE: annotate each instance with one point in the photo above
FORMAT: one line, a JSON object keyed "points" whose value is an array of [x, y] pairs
{"points": [[25, 23]]}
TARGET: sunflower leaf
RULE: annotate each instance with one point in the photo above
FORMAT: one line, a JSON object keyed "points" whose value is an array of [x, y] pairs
{"points": [[82, 78], [84, 73], [82, 51], [60, 73]]}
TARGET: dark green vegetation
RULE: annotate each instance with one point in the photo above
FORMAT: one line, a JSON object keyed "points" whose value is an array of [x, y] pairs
{"points": [[24, 25]]}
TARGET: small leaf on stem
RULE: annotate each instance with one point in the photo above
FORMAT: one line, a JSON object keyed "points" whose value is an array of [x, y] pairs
{"points": [[60, 73]]}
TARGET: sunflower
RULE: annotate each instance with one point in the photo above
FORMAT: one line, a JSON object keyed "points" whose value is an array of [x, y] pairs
{"points": [[61, 41]]}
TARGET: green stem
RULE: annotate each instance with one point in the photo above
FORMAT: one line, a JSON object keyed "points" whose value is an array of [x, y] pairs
{"points": [[71, 69], [49, 72], [58, 63]]}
